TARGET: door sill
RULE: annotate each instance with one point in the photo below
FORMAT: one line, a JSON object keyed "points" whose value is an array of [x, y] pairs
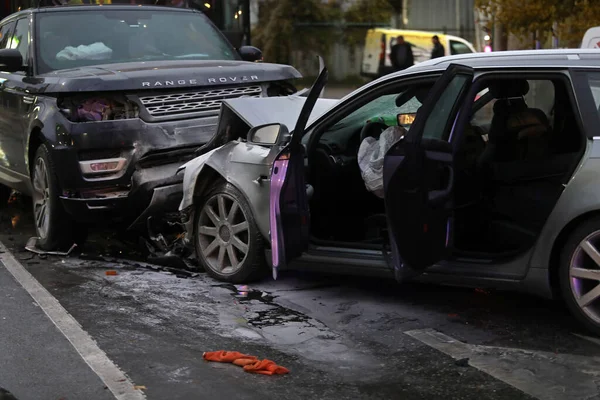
{"points": [[346, 245]]}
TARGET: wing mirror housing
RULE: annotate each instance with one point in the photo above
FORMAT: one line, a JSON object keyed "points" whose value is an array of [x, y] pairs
{"points": [[268, 135], [11, 60], [250, 53]]}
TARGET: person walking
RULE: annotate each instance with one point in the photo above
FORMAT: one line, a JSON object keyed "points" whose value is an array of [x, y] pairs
{"points": [[401, 54], [438, 48]]}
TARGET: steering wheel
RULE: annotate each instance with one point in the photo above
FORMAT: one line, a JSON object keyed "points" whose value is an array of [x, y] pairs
{"points": [[372, 129]]}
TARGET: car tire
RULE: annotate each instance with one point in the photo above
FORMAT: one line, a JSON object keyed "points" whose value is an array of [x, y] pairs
{"points": [[579, 274], [55, 228], [228, 243]]}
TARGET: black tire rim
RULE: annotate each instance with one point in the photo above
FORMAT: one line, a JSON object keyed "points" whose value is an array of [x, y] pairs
{"points": [[223, 234], [41, 198]]}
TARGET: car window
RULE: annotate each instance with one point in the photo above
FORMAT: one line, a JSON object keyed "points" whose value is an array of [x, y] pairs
{"points": [[459, 48], [78, 38], [437, 122], [383, 107], [5, 34], [594, 82], [20, 39], [540, 96]]}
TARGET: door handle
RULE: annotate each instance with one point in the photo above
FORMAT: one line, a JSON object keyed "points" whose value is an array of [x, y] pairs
{"points": [[438, 197]]}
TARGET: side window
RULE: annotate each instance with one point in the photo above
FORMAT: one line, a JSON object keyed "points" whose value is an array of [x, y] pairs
{"points": [[438, 122], [5, 34], [594, 82], [20, 39], [459, 48]]}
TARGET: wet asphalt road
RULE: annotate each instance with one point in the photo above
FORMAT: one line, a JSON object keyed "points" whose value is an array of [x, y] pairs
{"points": [[341, 337]]}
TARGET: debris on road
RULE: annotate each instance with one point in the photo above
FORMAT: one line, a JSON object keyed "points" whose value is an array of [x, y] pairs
{"points": [[111, 272], [32, 247], [250, 364]]}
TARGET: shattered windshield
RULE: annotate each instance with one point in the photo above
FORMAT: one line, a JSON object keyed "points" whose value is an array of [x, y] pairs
{"points": [[72, 39]]}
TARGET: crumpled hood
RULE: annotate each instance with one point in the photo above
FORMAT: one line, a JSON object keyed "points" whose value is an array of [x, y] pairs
{"points": [[156, 75], [283, 110]]}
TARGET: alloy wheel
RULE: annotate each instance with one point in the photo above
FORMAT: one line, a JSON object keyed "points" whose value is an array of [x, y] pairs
{"points": [[584, 276], [41, 197], [223, 234]]}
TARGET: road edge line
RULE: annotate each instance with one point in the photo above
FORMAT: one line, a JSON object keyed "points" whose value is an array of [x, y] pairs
{"points": [[115, 380]]}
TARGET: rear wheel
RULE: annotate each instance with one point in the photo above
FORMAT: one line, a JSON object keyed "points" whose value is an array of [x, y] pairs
{"points": [[54, 227], [228, 243], [580, 274]]}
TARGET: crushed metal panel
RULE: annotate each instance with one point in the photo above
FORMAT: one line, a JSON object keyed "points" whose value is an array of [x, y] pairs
{"points": [[283, 110]]}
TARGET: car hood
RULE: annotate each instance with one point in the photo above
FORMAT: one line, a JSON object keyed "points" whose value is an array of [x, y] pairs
{"points": [[282, 110], [156, 75]]}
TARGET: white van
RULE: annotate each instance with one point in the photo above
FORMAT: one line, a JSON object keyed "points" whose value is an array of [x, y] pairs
{"points": [[591, 39], [379, 41]]}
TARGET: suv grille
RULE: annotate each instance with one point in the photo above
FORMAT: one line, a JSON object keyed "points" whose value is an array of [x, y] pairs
{"points": [[205, 103]]}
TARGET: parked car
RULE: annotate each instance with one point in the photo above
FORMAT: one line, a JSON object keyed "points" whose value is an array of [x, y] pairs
{"points": [[379, 41], [591, 38], [102, 104], [494, 184]]}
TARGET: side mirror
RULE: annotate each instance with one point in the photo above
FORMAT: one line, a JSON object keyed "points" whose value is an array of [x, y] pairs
{"points": [[269, 134], [11, 60], [250, 53]]}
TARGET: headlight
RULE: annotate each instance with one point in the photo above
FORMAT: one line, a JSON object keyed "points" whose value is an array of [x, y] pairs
{"points": [[97, 108]]}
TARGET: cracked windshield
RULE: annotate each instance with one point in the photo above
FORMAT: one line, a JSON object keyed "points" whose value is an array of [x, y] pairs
{"points": [[300, 199]]}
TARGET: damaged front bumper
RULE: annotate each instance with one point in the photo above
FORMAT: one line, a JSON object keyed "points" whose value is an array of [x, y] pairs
{"points": [[144, 159]]}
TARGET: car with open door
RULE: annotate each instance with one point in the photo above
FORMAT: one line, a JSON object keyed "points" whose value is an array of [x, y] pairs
{"points": [[485, 168]]}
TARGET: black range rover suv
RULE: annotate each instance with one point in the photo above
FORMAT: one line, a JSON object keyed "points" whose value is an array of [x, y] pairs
{"points": [[102, 104]]}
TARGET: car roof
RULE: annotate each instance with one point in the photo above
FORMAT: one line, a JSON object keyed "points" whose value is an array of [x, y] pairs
{"points": [[564, 58], [97, 7], [412, 32], [518, 59]]}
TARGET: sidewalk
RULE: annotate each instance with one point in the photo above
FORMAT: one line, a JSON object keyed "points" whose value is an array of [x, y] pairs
{"points": [[37, 361]]}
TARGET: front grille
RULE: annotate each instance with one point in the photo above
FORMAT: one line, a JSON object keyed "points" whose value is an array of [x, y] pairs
{"points": [[205, 103]]}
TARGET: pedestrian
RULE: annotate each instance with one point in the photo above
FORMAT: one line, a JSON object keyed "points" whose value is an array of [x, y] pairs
{"points": [[438, 48], [401, 54]]}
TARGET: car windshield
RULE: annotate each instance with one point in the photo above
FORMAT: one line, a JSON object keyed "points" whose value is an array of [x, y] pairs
{"points": [[72, 39]]}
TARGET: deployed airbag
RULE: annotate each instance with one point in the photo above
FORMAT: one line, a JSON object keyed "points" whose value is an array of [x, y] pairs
{"points": [[370, 157]]}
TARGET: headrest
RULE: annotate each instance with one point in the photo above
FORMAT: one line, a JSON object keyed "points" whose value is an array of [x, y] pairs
{"points": [[509, 88]]}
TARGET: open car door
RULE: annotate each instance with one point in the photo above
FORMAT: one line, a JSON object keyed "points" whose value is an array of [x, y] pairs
{"points": [[289, 211], [418, 176]]}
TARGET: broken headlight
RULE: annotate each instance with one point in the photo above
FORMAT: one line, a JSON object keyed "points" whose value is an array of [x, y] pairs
{"points": [[97, 108]]}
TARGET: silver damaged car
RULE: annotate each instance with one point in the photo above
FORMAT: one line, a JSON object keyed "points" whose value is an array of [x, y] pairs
{"points": [[495, 183]]}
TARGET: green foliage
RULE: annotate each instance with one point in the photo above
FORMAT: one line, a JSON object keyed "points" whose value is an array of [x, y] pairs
{"points": [[524, 17], [368, 12], [284, 25]]}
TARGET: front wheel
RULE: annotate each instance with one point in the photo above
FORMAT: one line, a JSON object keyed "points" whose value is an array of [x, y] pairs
{"points": [[580, 274], [54, 227], [228, 243]]}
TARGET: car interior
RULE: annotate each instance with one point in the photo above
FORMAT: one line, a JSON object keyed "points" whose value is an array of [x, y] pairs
{"points": [[521, 145]]}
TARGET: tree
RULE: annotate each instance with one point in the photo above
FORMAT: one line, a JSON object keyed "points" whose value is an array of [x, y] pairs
{"points": [[286, 25], [526, 17], [368, 13]]}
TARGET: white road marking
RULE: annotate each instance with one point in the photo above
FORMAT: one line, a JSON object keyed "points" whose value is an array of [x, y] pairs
{"points": [[540, 374], [115, 379]]}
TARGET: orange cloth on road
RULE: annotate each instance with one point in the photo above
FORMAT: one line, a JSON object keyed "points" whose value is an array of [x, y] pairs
{"points": [[266, 367], [226, 356], [250, 363]]}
